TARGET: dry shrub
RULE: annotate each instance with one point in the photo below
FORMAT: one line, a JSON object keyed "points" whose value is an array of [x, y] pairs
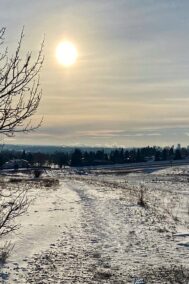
{"points": [[5, 252], [37, 173], [142, 197]]}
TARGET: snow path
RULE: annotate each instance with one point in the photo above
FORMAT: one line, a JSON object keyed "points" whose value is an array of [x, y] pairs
{"points": [[91, 230], [51, 211]]}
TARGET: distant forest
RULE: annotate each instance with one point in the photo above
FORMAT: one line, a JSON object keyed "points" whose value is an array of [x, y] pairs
{"points": [[81, 157]]}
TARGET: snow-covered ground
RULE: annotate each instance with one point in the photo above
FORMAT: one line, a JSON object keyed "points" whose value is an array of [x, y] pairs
{"points": [[92, 229]]}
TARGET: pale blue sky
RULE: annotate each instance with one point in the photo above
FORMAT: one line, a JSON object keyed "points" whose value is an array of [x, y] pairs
{"points": [[130, 85]]}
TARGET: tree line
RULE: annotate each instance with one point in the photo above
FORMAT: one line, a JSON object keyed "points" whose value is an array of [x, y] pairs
{"points": [[81, 157]]}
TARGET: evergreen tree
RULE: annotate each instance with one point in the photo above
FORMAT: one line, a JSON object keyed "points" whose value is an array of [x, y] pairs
{"points": [[157, 155], [60, 159], [76, 158], [177, 154], [165, 154]]}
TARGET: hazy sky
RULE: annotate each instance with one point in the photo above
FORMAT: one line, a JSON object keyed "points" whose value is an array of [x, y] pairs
{"points": [[130, 85]]}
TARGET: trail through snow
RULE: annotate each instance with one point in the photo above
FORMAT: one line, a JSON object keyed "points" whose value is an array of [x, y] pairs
{"points": [[91, 229]]}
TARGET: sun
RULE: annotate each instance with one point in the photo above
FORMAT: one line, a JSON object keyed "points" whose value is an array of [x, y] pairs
{"points": [[66, 53]]}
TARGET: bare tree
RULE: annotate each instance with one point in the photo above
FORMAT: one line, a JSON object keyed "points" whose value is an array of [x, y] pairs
{"points": [[20, 91], [20, 95]]}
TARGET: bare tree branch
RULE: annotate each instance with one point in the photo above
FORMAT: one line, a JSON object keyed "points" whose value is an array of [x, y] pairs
{"points": [[10, 209], [20, 91]]}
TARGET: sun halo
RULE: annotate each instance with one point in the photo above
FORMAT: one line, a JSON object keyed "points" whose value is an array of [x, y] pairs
{"points": [[66, 53]]}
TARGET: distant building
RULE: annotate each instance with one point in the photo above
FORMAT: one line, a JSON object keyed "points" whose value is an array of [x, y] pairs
{"points": [[16, 164]]}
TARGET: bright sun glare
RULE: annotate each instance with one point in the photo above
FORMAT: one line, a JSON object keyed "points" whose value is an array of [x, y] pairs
{"points": [[66, 53]]}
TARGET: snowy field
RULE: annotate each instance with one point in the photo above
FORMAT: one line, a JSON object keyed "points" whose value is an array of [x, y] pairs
{"points": [[104, 226]]}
